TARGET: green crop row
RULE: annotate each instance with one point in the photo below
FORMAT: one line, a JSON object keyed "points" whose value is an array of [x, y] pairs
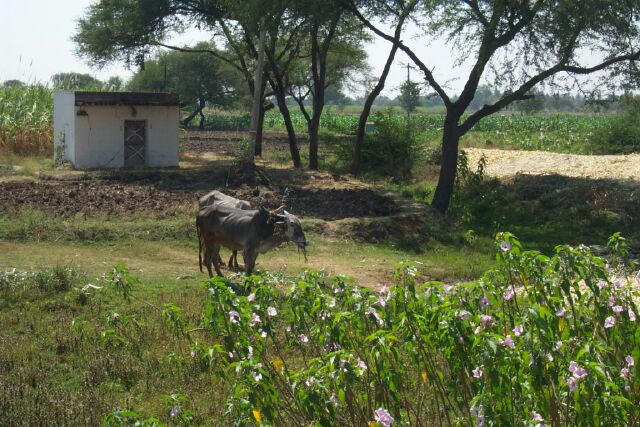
{"points": [[26, 118]]}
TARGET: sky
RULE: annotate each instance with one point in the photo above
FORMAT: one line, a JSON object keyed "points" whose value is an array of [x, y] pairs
{"points": [[36, 44]]}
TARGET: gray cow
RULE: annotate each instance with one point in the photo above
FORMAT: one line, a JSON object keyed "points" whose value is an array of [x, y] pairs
{"points": [[216, 196], [251, 231]]}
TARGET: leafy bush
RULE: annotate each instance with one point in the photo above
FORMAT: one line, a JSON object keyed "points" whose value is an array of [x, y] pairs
{"points": [[622, 135], [391, 149], [16, 284], [537, 340]]}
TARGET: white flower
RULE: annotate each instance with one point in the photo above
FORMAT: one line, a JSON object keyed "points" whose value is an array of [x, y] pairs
{"points": [[272, 312], [234, 316], [303, 338], [251, 298], [257, 376], [255, 319], [477, 373], [632, 314], [536, 416]]}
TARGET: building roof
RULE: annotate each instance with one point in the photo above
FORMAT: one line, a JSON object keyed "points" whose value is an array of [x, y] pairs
{"points": [[126, 98]]}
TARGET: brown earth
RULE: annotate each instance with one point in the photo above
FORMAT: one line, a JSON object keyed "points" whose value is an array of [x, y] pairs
{"points": [[103, 198]]}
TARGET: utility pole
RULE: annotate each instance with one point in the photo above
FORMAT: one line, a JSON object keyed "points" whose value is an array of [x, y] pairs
{"points": [[257, 96]]}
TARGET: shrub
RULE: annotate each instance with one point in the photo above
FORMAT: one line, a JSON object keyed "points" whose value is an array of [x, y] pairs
{"points": [[537, 340], [391, 149], [622, 135]]}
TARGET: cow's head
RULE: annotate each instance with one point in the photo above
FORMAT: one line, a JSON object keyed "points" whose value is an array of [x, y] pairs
{"points": [[293, 230]]}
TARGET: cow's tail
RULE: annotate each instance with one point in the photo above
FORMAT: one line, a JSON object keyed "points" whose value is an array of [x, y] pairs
{"points": [[199, 245]]}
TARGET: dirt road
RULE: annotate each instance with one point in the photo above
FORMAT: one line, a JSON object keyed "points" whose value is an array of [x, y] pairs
{"points": [[503, 163]]}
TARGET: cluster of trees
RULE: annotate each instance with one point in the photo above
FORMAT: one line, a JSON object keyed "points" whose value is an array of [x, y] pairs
{"points": [[311, 45]]}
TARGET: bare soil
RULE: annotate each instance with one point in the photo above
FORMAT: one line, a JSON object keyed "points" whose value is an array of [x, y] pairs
{"points": [[505, 163]]}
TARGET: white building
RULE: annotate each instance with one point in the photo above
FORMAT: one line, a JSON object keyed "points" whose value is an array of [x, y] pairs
{"points": [[116, 129]]}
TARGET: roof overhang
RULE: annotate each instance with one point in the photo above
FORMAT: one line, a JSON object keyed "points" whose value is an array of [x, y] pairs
{"points": [[126, 98]]}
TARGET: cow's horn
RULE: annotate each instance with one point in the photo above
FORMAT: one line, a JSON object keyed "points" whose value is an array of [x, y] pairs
{"points": [[281, 208]]}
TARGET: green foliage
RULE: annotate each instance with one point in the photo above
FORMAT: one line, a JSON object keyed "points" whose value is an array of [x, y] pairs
{"points": [[121, 280], [76, 81], [16, 285], [622, 135], [538, 338], [409, 96], [26, 119], [198, 78]]}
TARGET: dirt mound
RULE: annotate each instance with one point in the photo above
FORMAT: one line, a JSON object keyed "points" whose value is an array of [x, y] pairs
{"points": [[104, 198]]}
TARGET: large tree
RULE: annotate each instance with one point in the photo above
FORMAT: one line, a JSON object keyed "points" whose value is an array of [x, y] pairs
{"points": [[519, 44], [75, 81], [199, 79]]}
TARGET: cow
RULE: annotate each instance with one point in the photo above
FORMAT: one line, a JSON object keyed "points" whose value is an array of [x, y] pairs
{"points": [[216, 196], [252, 231]]}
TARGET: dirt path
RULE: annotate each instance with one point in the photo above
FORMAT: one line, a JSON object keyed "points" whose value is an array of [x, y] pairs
{"points": [[503, 163]]}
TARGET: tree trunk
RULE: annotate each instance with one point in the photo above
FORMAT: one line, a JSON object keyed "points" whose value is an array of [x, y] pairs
{"points": [[202, 104], [291, 133], [314, 127], [448, 166], [259, 131]]}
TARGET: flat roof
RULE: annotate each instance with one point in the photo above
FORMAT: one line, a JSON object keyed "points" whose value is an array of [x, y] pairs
{"points": [[126, 98]]}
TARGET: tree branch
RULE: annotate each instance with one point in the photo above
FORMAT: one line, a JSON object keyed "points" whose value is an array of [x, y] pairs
{"points": [[425, 70]]}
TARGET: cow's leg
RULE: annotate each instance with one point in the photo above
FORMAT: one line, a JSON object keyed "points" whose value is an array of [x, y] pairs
{"points": [[207, 257], [233, 254], [249, 256], [220, 260], [235, 259], [216, 259]]}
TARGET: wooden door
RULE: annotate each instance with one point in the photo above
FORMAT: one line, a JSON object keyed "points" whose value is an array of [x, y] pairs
{"points": [[134, 142]]}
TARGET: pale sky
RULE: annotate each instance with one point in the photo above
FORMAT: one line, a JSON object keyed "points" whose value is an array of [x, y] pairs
{"points": [[36, 43]]}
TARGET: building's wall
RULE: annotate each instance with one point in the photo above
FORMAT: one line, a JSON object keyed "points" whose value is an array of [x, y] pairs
{"points": [[63, 126], [100, 135]]}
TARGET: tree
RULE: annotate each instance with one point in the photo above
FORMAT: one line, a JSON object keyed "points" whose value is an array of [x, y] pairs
{"points": [[196, 77], [13, 84], [131, 30], [75, 81], [401, 14], [335, 51], [409, 97], [520, 44]]}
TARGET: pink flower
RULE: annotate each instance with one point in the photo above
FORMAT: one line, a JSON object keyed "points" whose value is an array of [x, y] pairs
{"points": [[484, 302], [334, 399], [572, 383], [561, 312], [383, 417], [558, 345], [272, 312], [505, 246], [478, 412], [632, 314], [174, 412], [303, 338], [630, 361], [601, 284], [360, 364], [536, 416], [255, 319], [373, 312], [508, 342], [508, 295], [579, 373], [251, 298], [517, 331], [612, 301], [624, 372], [463, 314], [609, 322], [617, 309], [477, 373], [618, 284], [485, 319], [477, 330], [573, 366]]}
